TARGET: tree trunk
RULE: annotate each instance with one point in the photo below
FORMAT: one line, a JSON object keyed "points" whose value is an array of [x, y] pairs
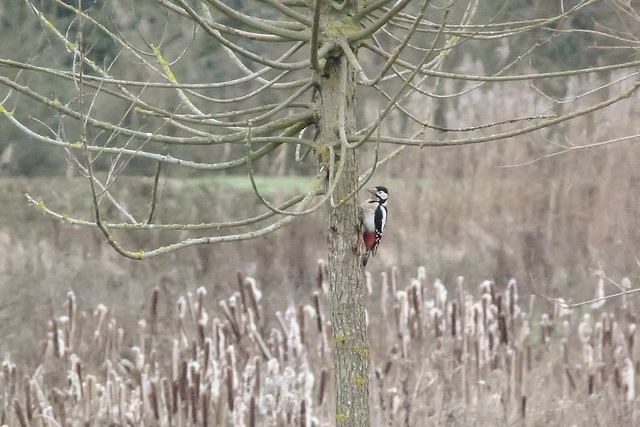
{"points": [[348, 316], [346, 273]]}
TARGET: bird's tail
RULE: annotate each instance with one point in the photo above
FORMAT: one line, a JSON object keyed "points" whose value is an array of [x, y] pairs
{"points": [[365, 258]]}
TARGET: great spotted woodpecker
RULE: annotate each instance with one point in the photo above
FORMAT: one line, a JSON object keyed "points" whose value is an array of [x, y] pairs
{"points": [[374, 219]]}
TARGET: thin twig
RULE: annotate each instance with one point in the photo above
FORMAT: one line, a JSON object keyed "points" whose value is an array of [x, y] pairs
{"points": [[154, 193]]}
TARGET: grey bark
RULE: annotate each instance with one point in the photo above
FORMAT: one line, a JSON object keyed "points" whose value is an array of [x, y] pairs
{"points": [[346, 273]]}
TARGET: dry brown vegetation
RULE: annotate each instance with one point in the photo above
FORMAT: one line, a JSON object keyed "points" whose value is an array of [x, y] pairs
{"points": [[549, 224], [519, 208], [473, 355], [93, 339]]}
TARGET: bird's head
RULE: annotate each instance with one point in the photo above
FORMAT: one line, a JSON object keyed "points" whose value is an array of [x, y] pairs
{"points": [[380, 193]]}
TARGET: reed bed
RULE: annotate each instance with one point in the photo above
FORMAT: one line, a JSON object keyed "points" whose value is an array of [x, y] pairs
{"points": [[442, 353]]}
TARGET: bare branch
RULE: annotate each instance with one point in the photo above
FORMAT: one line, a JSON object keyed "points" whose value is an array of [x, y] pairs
{"points": [[391, 103], [270, 27], [561, 303], [517, 77], [167, 159], [315, 31], [162, 227], [287, 11], [510, 134], [154, 193], [376, 25], [575, 148], [204, 138]]}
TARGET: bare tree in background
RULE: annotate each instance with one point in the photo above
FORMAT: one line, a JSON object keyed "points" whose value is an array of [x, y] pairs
{"points": [[294, 72]]}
